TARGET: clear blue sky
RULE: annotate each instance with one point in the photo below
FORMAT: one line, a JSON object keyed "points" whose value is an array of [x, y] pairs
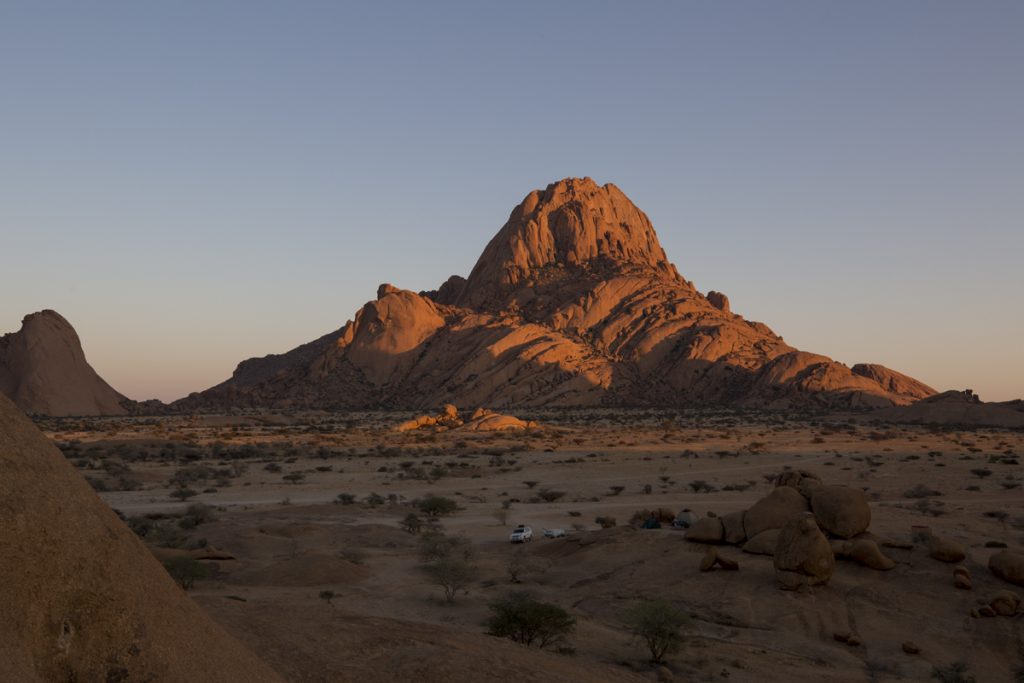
{"points": [[195, 183]]}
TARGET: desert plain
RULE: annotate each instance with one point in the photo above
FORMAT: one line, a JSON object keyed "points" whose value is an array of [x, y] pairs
{"points": [[300, 522]]}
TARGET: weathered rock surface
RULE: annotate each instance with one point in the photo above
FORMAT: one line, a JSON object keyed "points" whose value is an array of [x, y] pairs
{"points": [[862, 551], [719, 301], [774, 511], [706, 530], [83, 599], [44, 371], [841, 511], [572, 303], [732, 527], [763, 544], [803, 556], [801, 480]]}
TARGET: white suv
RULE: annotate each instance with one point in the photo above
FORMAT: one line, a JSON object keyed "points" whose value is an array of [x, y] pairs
{"points": [[521, 534]]}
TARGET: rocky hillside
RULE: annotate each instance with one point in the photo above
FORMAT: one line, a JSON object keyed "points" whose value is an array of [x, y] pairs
{"points": [[44, 371], [573, 302]]}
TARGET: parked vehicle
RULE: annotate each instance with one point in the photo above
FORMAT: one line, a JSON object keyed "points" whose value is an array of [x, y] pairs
{"points": [[554, 533], [521, 534]]}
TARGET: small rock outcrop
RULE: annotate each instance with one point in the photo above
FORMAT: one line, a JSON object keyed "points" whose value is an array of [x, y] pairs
{"points": [[1004, 603], [481, 420], [713, 559], [803, 556], [945, 550], [962, 579], [1008, 566], [862, 551], [719, 301]]}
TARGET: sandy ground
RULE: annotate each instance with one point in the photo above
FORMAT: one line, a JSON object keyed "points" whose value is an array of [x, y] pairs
{"points": [[293, 540]]}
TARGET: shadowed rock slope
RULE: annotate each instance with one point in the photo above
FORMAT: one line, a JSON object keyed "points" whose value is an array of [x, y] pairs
{"points": [[83, 599], [572, 303], [44, 371]]}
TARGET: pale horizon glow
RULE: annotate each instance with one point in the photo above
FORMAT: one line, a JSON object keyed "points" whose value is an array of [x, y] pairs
{"points": [[192, 185]]}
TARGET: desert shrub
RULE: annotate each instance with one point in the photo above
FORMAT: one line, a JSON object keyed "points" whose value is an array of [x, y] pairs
{"points": [[522, 619], [436, 506], [185, 570], [374, 499], [345, 499], [97, 484], [183, 493], [659, 625], [412, 523], [605, 522], [550, 496], [920, 491], [517, 566], [435, 546], [196, 515], [294, 477], [956, 672], [999, 515], [660, 515], [981, 472], [327, 596], [530, 484], [616, 490], [141, 526]]}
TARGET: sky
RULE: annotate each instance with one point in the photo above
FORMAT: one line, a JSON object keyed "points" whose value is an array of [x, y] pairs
{"points": [[195, 183]]}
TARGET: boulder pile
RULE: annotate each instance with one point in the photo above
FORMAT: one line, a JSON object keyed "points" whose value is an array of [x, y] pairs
{"points": [[805, 525], [481, 420]]}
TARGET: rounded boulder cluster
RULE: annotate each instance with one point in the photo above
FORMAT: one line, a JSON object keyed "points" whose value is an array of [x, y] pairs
{"points": [[805, 525]]}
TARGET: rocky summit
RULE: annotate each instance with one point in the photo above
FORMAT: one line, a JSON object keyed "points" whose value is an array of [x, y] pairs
{"points": [[573, 303], [44, 371]]}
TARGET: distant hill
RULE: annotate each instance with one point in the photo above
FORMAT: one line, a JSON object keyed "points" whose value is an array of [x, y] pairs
{"points": [[572, 303], [956, 408], [44, 371]]}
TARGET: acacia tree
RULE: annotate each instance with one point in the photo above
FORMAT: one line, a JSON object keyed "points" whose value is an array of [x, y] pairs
{"points": [[449, 562], [525, 620], [437, 506], [452, 574], [412, 523], [658, 624]]}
